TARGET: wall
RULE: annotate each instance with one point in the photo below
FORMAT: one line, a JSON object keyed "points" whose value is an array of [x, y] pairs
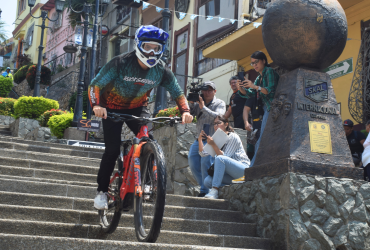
{"points": [[56, 39], [305, 212], [221, 76], [25, 23]]}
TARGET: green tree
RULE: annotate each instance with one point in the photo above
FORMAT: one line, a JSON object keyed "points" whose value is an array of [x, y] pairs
{"points": [[3, 31]]}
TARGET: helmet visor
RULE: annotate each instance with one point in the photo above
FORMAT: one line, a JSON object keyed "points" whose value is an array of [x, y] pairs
{"points": [[148, 47]]}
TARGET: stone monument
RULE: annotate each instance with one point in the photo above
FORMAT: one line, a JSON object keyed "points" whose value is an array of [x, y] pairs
{"points": [[304, 131]]}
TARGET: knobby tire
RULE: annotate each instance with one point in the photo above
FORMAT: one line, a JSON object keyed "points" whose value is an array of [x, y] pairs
{"points": [[151, 150]]}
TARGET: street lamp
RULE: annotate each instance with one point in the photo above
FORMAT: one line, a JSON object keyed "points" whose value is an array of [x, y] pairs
{"points": [[44, 15], [80, 85]]}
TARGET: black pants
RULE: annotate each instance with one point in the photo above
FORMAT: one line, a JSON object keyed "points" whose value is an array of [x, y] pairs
{"points": [[112, 138], [367, 172]]}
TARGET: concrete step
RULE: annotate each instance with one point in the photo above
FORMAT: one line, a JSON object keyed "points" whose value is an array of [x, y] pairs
{"points": [[127, 220], [13, 241], [43, 165], [44, 201], [62, 182], [66, 190], [5, 132], [50, 150], [128, 234], [48, 175], [21, 154], [47, 144]]}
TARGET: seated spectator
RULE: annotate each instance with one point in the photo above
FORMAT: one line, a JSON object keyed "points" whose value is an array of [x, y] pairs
{"points": [[263, 88], [366, 154], [205, 110], [236, 104], [355, 140], [231, 159]]}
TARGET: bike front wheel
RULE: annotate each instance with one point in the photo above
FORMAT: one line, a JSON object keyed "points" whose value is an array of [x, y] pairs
{"points": [[149, 208]]}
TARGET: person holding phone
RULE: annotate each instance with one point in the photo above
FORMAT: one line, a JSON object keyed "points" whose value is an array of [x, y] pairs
{"points": [[205, 110], [231, 159], [236, 104], [263, 88]]}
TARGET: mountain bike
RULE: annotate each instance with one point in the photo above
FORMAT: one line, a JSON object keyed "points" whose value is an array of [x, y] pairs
{"points": [[139, 183]]}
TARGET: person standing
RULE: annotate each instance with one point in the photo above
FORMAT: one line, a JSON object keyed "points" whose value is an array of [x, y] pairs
{"points": [[355, 140], [236, 104], [7, 73], [263, 88], [366, 154], [206, 110]]}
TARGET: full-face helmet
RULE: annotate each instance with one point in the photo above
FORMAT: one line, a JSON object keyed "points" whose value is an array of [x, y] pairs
{"points": [[150, 43]]}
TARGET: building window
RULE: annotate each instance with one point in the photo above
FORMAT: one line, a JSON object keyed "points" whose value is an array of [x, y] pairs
{"points": [[21, 6], [121, 44], [208, 30], [181, 56], [206, 64], [122, 13]]}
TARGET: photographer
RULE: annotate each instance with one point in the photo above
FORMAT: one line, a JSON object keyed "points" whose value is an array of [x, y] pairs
{"points": [[206, 110]]}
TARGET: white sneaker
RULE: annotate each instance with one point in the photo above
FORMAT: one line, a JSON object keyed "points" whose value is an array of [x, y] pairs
{"points": [[213, 194], [101, 201]]}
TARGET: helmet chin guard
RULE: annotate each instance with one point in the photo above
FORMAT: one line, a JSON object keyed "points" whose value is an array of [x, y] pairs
{"points": [[149, 61]]}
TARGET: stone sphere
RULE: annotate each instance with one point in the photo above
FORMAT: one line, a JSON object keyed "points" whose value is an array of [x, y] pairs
{"points": [[304, 33]]}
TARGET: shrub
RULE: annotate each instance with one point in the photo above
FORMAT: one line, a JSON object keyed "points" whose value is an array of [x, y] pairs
{"points": [[172, 112], [33, 107], [72, 101], [59, 123], [21, 73], [6, 85], [7, 106], [45, 117], [45, 78]]}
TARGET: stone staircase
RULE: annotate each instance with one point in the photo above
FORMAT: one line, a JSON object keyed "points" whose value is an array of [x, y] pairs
{"points": [[46, 202]]}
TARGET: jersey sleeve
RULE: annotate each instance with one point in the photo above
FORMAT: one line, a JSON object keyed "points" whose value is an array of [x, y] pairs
{"points": [[106, 75], [169, 82]]}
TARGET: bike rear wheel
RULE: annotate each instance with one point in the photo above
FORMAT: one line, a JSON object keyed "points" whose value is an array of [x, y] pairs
{"points": [[109, 218], [149, 208]]}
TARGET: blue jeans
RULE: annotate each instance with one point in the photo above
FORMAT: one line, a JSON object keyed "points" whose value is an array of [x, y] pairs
{"points": [[263, 125], [199, 165], [226, 170]]}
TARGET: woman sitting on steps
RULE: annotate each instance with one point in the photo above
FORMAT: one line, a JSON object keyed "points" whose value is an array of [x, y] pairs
{"points": [[230, 162]]}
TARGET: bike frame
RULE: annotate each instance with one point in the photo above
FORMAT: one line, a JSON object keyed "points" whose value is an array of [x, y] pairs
{"points": [[131, 167]]}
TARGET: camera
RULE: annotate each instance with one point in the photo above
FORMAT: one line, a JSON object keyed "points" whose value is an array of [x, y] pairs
{"points": [[194, 90]]}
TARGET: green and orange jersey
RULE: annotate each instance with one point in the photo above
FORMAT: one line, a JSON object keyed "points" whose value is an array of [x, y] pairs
{"points": [[123, 84]]}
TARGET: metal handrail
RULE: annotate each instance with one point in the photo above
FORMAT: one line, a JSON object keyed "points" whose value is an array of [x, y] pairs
{"points": [[54, 59]]}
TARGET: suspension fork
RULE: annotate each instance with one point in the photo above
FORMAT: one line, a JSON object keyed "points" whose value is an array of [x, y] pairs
{"points": [[137, 170]]}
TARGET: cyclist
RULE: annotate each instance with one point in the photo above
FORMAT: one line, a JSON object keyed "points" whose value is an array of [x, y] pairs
{"points": [[123, 86]]}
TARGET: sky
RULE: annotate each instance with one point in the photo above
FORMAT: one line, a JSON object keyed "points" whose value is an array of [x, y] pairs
{"points": [[9, 15]]}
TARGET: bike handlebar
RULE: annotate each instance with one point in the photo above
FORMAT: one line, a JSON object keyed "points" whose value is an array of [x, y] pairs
{"points": [[124, 117]]}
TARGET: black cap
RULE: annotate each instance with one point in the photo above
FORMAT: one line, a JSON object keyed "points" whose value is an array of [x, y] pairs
{"points": [[348, 123]]}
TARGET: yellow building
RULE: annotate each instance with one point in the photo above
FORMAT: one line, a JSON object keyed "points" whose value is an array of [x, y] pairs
{"points": [[27, 34], [243, 42]]}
